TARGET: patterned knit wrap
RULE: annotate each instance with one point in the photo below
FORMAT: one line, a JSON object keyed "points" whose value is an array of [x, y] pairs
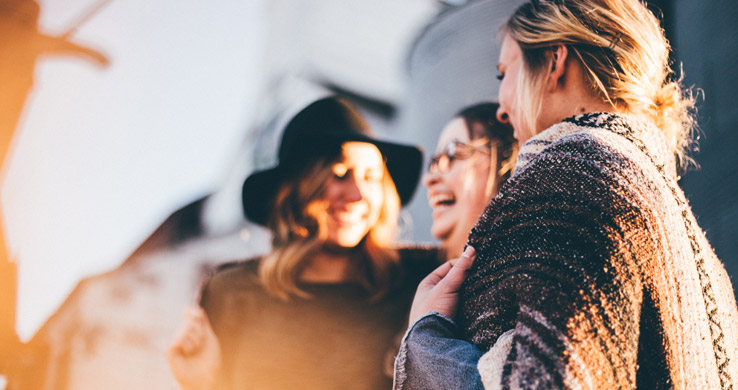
{"points": [[591, 258]]}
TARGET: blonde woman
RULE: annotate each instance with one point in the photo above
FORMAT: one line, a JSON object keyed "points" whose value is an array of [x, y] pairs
{"points": [[591, 271], [475, 155], [322, 310]]}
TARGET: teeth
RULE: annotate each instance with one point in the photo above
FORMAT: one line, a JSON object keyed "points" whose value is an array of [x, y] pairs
{"points": [[348, 217], [437, 199]]}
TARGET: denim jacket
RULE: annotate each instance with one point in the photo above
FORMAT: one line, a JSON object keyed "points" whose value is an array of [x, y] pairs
{"points": [[432, 357]]}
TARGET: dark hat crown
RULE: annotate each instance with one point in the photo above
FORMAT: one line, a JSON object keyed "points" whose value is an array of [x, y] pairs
{"points": [[317, 122]]}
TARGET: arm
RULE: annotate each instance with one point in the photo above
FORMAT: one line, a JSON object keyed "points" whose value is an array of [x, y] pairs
{"points": [[431, 355], [194, 355]]}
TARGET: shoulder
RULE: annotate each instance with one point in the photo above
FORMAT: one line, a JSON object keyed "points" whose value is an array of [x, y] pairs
{"points": [[585, 154], [248, 266], [587, 173], [597, 140], [585, 169], [564, 145], [233, 276]]}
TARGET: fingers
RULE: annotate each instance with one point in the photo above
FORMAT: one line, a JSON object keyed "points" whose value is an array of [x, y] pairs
{"points": [[439, 273], [190, 336], [461, 265], [194, 355], [439, 290], [456, 275], [467, 258]]}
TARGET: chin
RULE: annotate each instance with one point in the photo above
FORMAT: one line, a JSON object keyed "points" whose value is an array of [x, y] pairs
{"points": [[348, 240], [440, 233]]}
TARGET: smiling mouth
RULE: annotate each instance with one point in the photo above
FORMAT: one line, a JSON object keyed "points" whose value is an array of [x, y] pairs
{"points": [[346, 219], [441, 200]]}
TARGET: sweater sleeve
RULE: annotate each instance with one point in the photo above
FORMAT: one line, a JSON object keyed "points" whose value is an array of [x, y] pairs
{"points": [[554, 265], [432, 356]]}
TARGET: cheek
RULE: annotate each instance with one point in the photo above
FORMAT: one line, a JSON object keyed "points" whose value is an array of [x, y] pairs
{"points": [[331, 192], [507, 100], [459, 177], [475, 186], [375, 199], [504, 92], [507, 91]]}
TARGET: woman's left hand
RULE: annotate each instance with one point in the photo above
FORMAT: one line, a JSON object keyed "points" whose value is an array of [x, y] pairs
{"points": [[439, 291]]}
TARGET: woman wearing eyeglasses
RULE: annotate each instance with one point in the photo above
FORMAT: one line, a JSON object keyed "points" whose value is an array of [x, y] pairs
{"points": [[475, 155], [591, 271]]}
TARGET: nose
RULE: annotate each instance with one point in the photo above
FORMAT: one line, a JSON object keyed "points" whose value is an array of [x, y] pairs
{"points": [[502, 116], [431, 177], [352, 191]]}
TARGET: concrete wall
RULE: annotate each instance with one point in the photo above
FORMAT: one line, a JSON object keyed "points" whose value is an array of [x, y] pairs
{"points": [[703, 34]]}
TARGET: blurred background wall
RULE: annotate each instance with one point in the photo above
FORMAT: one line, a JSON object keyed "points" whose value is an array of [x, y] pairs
{"points": [[121, 190], [704, 37]]}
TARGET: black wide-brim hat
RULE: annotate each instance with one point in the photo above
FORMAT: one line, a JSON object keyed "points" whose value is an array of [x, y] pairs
{"points": [[318, 131]]}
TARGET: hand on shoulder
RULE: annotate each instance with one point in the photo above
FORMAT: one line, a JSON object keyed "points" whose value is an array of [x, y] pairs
{"points": [[194, 354], [439, 291]]}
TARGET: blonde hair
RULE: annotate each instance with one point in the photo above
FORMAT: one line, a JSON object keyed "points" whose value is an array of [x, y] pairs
{"points": [[298, 233], [625, 55]]}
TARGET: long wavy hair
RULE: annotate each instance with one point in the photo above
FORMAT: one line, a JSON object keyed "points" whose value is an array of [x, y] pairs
{"points": [[298, 232], [623, 51]]}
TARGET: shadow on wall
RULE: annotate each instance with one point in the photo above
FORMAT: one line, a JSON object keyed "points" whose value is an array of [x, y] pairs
{"points": [[21, 45]]}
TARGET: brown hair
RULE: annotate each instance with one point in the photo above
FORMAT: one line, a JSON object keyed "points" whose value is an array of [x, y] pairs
{"points": [[298, 233], [625, 55], [481, 122]]}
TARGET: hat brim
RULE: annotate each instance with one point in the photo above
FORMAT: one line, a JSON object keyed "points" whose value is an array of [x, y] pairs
{"points": [[404, 164], [258, 192]]}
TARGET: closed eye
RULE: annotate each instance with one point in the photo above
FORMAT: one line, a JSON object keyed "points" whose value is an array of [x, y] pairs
{"points": [[340, 171], [373, 175]]}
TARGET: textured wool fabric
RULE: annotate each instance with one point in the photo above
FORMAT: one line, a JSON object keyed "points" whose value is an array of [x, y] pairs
{"points": [[337, 339], [592, 257]]}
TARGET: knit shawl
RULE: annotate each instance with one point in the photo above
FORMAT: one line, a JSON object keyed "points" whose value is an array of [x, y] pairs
{"points": [[592, 267]]}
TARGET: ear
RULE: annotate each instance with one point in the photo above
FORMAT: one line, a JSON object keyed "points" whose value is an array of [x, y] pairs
{"points": [[558, 66]]}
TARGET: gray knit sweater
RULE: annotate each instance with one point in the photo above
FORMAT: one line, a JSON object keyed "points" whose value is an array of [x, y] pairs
{"points": [[592, 272]]}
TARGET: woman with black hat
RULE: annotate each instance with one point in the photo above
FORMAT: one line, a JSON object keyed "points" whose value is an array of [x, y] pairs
{"points": [[322, 310]]}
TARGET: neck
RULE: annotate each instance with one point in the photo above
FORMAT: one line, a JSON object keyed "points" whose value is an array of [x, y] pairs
{"points": [[571, 96], [581, 102], [328, 267], [593, 105], [453, 245]]}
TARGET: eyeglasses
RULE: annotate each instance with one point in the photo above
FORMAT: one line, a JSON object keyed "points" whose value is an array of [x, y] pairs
{"points": [[455, 150]]}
